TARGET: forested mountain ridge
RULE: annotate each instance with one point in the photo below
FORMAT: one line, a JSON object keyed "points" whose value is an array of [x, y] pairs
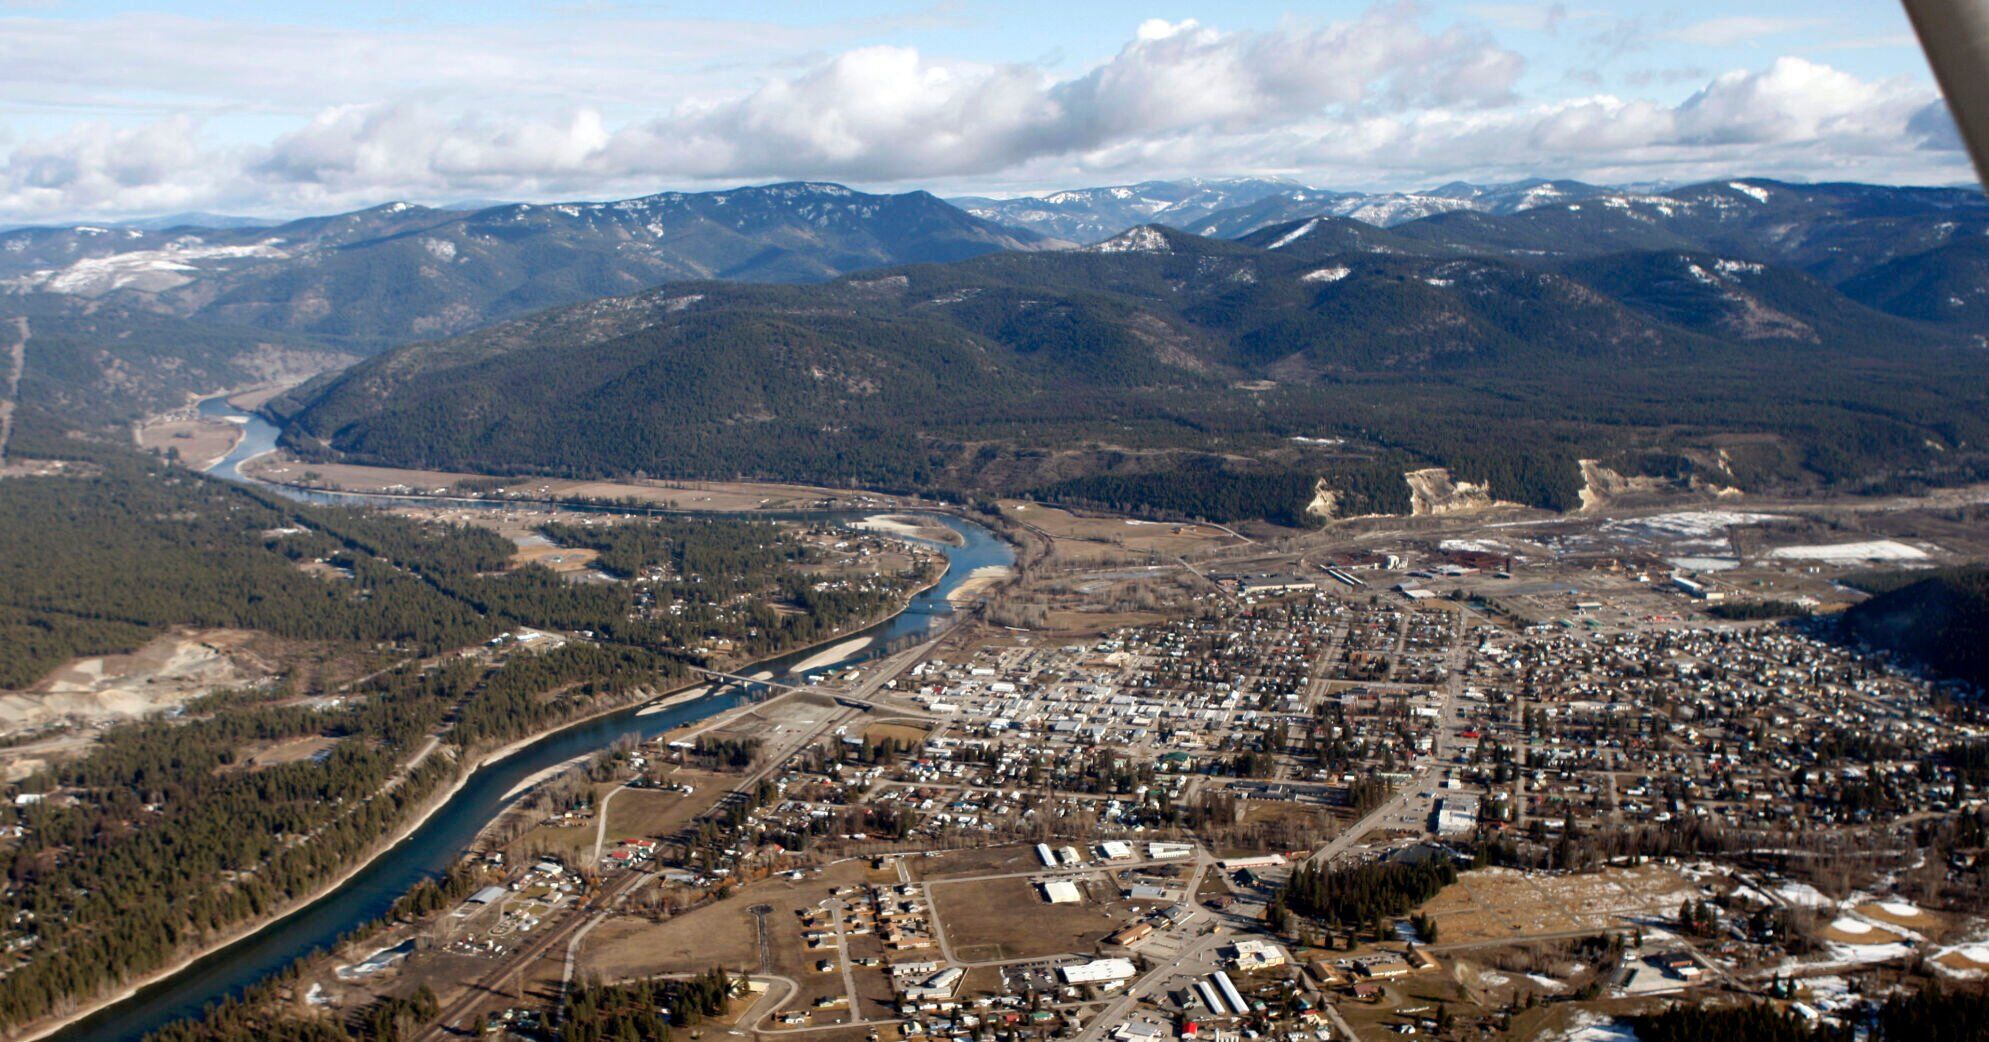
{"points": [[97, 363], [1940, 619], [1185, 375], [400, 272]]}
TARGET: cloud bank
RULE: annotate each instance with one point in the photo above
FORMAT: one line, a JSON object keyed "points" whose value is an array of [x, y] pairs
{"points": [[1382, 98]]}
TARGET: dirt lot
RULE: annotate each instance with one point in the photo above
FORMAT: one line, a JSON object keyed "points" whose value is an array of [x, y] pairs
{"points": [[725, 933], [163, 673], [1007, 918], [1092, 540], [1501, 904]]}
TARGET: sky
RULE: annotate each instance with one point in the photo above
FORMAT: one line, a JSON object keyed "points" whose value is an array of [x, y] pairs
{"points": [[115, 110]]}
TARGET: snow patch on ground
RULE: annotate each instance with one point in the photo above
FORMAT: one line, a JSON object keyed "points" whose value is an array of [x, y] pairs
{"points": [[1704, 564], [1294, 235], [1700, 527], [1852, 955], [1804, 895], [1586, 1026], [1870, 550], [149, 270], [1759, 195], [1332, 274], [1137, 240]]}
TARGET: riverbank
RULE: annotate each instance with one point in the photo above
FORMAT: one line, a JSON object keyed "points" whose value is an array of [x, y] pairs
{"points": [[910, 526], [428, 809], [153, 1014]]}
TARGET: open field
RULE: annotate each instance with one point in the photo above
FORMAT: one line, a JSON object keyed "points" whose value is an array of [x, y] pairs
{"points": [[726, 933], [703, 495], [1007, 918], [957, 864], [907, 734], [263, 756], [1092, 540], [1504, 904], [200, 442]]}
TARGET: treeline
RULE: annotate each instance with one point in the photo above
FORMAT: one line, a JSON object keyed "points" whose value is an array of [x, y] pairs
{"points": [[100, 566], [165, 834], [1940, 619], [1203, 490], [1932, 1014], [725, 555], [1362, 895], [159, 839], [390, 1019], [643, 1010]]}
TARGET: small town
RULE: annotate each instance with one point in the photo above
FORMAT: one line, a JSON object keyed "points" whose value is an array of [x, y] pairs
{"points": [[1434, 789]]}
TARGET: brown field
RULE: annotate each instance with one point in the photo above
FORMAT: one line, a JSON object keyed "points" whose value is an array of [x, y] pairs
{"points": [[1959, 960], [1501, 904], [1419, 992], [724, 933], [659, 813], [1007, 918], [276, 753], [200, 442], [713, 495], [1921, 920], [954, 864], [1875, 935], [1081, 539], [906, 733], [1321, 821], [1092, 623], [254, 397], [562, 559]]}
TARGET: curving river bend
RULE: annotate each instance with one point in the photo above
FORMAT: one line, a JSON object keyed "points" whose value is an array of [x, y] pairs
{"points": [[433, 847]]}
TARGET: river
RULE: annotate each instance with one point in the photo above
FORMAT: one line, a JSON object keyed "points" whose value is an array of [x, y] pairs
{"points": [[442, 839]]}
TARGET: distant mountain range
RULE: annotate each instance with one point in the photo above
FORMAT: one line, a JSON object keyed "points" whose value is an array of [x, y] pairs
{"points": [[1236, 206], [1743, 333], [398, 272]]}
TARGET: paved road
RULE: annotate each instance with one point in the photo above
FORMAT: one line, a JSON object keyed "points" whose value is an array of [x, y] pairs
{"points": [[1427, 775]]}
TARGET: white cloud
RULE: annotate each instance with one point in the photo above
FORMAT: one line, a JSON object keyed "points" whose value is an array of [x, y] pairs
{"points": [[1378, 100]]}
